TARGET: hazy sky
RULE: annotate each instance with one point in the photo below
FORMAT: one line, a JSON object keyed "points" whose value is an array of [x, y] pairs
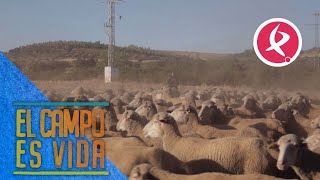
{"points": [[193, 25]]}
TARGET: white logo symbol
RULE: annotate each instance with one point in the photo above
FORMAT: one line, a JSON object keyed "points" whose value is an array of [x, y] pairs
{"points": [[276, 46]]}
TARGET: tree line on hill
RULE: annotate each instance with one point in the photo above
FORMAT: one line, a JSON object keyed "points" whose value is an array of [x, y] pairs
{"points": [[75, 60]]}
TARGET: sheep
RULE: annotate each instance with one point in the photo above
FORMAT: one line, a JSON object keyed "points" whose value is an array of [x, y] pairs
{"points": [[118, 105], [118, 142], [110, 117], [188, 124], [273, 129], [126, 97], [249, 109], [167, 92], [147, 109], [81, 91], [300, 103], [125, 157], [108, 95], [138, 101], [127, 152], [210, 114], [148, 172], [271, 103], [313, 143], [315, 123], [162, 105], [295, 154], [233, 155], [133, 124], [292, 120]]}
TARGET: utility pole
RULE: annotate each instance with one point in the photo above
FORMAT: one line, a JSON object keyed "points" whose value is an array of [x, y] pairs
{"points": [[316, 29], [111, 72]]}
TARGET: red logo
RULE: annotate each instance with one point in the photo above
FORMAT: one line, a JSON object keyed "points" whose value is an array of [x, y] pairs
{"points": [[277, 42]]}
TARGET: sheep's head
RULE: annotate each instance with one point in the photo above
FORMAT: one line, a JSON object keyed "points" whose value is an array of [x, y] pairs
{"points": [[135, 103], [284, 113], [129, 118], [147, 109], [118, 104], [126, 97], [315, 124], [313, 142], [202, 95], [141, 172], [81, 98], [288, 146], [272, 102], [249, 102], [218, 98], [179, 114], [160, 123], [185, 114], [207, 112], [300, 103]]}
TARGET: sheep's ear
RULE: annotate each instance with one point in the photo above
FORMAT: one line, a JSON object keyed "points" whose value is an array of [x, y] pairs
{"points": [[273, 146], [294, 112]]}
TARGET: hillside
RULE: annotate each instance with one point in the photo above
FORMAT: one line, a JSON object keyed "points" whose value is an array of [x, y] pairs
{"points": [[73, 60]]}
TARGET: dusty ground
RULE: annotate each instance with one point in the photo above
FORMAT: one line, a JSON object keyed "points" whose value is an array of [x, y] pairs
{"points": [[98, 85]]}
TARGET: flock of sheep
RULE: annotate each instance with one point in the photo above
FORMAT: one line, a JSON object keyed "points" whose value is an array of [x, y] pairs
{"points": [[213, 133]]}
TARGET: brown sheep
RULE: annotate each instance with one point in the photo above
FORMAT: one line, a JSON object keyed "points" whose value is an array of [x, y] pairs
{"points": [[162, 105], [148, 172], [313, 143], [147, 109], [81, 91], [118, 105], [249, 109], [270, 128], [138, 101], [108, 95], [188, 124], [110, 117], [210, 114], [126, 97], [300, 103], [292, 120], [294, 153], [125, 157], [315, 123], [233, 155], [271, 103]]}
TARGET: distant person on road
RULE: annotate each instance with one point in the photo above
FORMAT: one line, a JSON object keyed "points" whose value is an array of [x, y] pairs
{"points": [[172, 81]]}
